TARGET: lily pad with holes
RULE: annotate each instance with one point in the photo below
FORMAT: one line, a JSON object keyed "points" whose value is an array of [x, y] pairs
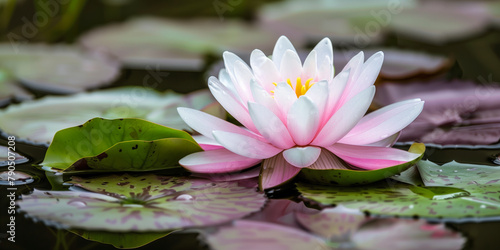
{"points": [[143, 203], [345, 177], [118, 145], [37, 121], [452, 192]]}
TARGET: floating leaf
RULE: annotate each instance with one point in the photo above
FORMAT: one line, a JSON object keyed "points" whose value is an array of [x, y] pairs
{"points": [[9, 89], [142, 203], [455, 112], [37, 121], [344, 177], [176, 45], [65, 69], [453, 191], [10, 178], [118, 145], [5, 152], [121, 240]]}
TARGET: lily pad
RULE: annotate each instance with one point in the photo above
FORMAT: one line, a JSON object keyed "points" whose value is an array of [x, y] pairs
{"points": [[10, 89], [118, 145], [65, 69], [121, 240], [144, 203], [174, 44], [345, 177], [452, 192], [14, 157], [37, 121]]}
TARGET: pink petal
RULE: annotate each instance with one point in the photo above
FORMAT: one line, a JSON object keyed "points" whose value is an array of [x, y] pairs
{"points": [[207, 143], [275, 171], [243, 75], [246, 146], [371, 158], [291, 66], [216, 161], [302, 157], [335, 89], [303, 120], [270, 126], [384, 122], [327, 160], [205, 124], [284, 97], [231, 104], [345, 118], [282, 45], [233, 176], [310, 66], [263, 97], [387, 142]]}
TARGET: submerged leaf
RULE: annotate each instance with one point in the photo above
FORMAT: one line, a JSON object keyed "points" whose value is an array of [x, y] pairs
{"points": [[37, 121], [453, 191], [142, 203], [118, 145], [345, 177]]}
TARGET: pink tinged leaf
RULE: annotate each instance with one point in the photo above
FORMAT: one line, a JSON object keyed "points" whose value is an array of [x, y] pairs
{"points": [[327, 160], [303, 120], [232, 105], [384, 122], [207, 143], [245, 234], [368, 74], [246, 146], [318, 94], [282, 45], [205, 124], [216, 161], [302, 157], [270, 126], [275, 171], [371, 158], [284, 96], [264, 70], [263, 97], [310, 66], [243, 75], [345, 118], [324, 51], [291, 66]]}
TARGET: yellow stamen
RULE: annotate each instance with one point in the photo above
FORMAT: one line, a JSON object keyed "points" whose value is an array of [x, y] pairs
{"points": [[299, 88]]}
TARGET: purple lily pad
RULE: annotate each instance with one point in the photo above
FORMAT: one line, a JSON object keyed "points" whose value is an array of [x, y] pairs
{"points": [[455, 112], [125, 203]]}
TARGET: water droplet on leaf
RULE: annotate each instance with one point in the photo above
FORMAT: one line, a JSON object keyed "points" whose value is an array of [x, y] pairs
{"points": [[77, 203], [184, 197]]}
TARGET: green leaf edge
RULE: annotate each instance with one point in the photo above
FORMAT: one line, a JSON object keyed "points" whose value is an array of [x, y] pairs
{"points": [[333, 177]]}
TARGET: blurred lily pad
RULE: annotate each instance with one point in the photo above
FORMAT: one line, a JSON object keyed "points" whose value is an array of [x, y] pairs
{"points": [[118, 145], [345, 177], [452, 192], [121, 240], [9, 89], [37, 121], [143, 203], [174, 44], [56, 69], [4, 157]]}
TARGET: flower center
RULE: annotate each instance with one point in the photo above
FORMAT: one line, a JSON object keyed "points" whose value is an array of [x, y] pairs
{"points": [[298, 87]]}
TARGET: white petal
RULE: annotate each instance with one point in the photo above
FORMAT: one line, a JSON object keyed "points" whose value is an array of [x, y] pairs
{"points": [[368, 74], [310, 66], [264, 98], [303, 120], [291, 67], [230, 60], [245, 146], [345, 118], [216, 161], [243, 75], [282, 45], [302, 157], [270, 126], [318, 94], [264, 70], [205, 124], [336, 88], [225, 79], [284, 96], [325, 59], [230, 103], [384, 122]]}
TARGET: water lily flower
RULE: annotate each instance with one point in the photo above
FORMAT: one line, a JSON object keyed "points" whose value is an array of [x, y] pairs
{"points": [[298, 115]]}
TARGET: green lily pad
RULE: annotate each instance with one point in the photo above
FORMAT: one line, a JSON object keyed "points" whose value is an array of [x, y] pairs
{"points": [[452, 192], [121, 240], [346, 177], [118, 145], [143, 203]]}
